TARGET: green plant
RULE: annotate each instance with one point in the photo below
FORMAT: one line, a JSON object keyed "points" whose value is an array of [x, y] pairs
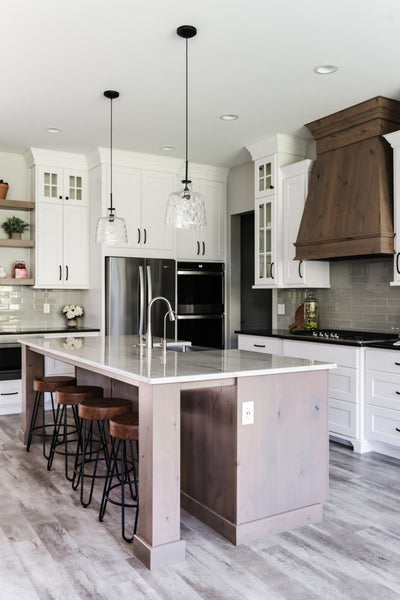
{"points": [[14, 225]]}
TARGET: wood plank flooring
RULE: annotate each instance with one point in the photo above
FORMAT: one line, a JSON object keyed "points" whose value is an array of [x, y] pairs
{"points": [[52, 548]]}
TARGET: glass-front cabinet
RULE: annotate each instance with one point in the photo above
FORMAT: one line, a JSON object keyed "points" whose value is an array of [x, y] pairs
{"points": [[56, 184], [265, 176], [265, 266]]}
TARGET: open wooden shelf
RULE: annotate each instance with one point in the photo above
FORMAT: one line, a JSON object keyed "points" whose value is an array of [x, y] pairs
{"points": [[13, 281], [17, 204], [17, 243]]}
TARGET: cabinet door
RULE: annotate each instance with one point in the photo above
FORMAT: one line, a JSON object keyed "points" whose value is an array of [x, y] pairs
{"points": [[74, 187], [127, 203], [49, 245], [265, 176], [208, 242], [264, 262], [294, 195], [76, 247], [50, 186], [212, 236], [156, 187]]}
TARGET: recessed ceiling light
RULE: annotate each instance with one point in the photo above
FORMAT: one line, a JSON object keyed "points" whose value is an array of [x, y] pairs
{"points": [[167, 148], [229, 117], [53, 130], [325, 69]]}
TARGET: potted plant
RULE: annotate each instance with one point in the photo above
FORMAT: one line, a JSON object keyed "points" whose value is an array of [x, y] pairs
{"points": [[3, 189], [14, 226]]}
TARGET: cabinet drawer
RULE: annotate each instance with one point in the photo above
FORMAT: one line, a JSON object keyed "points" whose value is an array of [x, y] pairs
{"points": [[383, 389], [333, 353], [342, 417], [382, 425], [258, 343], [343, 384], [383, 360], [10, 397]]}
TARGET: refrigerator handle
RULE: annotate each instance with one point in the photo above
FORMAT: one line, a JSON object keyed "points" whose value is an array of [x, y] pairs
{"points": [[142, 307], [149, 288]]}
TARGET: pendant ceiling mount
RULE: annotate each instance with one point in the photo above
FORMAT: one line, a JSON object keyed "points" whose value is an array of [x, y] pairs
{"points": [[185, 208]]}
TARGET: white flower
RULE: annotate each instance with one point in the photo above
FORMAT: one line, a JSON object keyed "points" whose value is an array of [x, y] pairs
{"points": [[73, 343], [71, 311]]}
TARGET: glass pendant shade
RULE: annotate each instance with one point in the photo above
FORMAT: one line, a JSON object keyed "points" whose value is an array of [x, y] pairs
{"points": [[185, 208], [111, 230]]}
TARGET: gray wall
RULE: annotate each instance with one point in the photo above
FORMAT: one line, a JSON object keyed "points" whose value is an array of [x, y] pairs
{"points": [[360, 297]]}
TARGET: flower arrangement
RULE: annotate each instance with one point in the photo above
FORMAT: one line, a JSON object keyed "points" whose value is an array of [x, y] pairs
{"points": [[72, 311]]}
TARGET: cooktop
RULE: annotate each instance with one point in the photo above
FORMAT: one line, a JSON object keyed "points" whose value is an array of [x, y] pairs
{"points": [[341, 335]]}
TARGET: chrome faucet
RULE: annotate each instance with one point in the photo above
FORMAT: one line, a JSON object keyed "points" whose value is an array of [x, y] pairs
{"points": [[170, 313]]}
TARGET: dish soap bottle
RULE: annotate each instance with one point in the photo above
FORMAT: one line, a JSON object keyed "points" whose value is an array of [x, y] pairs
{"points": [[310, 312]]}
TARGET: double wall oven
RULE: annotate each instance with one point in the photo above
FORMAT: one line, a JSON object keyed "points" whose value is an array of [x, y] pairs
{"points": [[200, 303]]}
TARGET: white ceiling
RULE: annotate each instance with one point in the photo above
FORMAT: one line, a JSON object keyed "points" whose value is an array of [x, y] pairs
{"points": [[254, 58]]}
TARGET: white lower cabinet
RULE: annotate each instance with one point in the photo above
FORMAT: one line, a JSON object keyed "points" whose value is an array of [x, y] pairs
{"points": [[383, 396], [10, 397]]}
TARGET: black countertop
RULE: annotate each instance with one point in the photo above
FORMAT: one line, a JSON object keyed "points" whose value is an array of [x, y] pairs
{"points": [[287, 335]]}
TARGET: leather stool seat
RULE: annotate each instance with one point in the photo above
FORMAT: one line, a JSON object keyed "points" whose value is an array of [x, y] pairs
{"points": [[42, 385], [121, 473], [69, 396], [95, 412]]}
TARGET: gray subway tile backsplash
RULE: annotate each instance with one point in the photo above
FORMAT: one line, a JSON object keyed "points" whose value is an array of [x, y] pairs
{"points": [[360, 297]]}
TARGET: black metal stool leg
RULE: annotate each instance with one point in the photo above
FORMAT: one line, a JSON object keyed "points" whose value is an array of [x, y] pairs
{"points": [[33, 420]]}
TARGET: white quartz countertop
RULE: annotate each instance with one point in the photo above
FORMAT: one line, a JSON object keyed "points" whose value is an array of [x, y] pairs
{"points": [[122, 356]]}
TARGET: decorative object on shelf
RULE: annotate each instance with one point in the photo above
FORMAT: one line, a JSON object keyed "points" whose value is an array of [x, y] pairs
{"points": [[3, 272], [20, 271], [3, 189], [14, 226], [185, 208], [72, 312], [310, 312], [111, 230]]}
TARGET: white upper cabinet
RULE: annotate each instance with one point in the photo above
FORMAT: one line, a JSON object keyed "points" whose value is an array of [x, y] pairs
{"points": [[280, 190], [59, 186], [207, 243], [311, 273], [394, 141]]}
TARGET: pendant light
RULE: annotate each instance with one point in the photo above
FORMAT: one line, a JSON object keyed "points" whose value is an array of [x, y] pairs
{"points": [[185, 208], [111, 230]]}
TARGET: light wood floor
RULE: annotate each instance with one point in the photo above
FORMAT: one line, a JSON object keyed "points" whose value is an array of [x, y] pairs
{"points": [[52, 548]]}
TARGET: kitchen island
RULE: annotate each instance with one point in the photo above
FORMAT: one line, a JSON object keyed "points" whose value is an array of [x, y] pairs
{"points": [[244, 480]]}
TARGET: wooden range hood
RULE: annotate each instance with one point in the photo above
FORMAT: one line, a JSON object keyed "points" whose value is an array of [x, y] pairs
{"points": [[349, 207]]}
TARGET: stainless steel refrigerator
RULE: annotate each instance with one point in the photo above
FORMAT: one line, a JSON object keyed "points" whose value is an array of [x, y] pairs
{"points": [[130, 285]]}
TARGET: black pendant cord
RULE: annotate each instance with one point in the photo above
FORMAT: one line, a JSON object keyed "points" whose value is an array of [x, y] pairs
{"points": [[111, 209], [187, 110]]}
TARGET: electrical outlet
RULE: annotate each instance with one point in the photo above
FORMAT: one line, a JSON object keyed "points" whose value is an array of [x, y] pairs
{"points": [[247, 413], [281, 309], [46, 308]]}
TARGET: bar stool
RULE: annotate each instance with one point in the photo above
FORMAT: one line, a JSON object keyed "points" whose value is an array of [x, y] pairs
{"points": [[99, 411], [69, 397], [121, 473], [40, 386]]}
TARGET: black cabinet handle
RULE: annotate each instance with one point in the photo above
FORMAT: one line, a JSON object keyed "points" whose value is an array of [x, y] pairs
{"points": [[138, 236], [144, 236], [271, 187], [66, 197], [66, 272], [60, 197], [300, 273], [271, 274], [259, 345], [198, 248], [204, 248], [397, 429], [397, 392], [398, 364], [397, 263], [8, 393], [60, 272]]}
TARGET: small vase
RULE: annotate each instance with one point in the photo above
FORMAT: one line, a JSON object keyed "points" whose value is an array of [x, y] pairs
{"points": [[72, 323], [3, 190], [15, 236]]}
